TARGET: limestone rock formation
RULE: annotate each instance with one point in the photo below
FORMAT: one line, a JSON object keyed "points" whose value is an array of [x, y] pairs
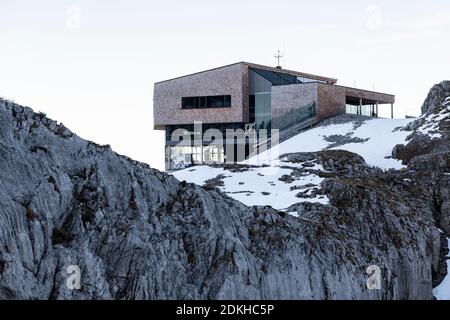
{"points": [[137, 233], [436, 96]]}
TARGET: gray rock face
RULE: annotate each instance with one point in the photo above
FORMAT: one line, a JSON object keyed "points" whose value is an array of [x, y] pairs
{"points": [[435, 97], [137, 233], [429, 157]]}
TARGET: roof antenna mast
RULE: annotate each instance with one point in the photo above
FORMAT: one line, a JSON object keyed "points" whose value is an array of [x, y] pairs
{"points": [[278, 56]]}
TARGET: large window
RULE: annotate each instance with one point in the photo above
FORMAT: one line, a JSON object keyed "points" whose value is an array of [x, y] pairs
{"points": [[206, 102], [365, 110], [260, 106], [260, 110], [181, 157]]}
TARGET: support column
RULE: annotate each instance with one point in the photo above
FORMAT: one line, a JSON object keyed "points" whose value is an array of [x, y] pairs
{"points": [[360, 106], [168, 159], [203, 156], [376, 112], [392, 111]]}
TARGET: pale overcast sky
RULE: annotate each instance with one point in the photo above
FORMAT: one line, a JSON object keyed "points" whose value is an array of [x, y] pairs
{"points": [[92, 64]]}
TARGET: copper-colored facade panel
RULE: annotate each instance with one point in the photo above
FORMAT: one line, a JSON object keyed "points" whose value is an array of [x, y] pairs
{"points": [[368, 95], [288, 98], [330, 102], [222, 81], [245, 93], [332, 99]]}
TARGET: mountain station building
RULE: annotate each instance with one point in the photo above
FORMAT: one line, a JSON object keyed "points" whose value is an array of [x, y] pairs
{"points": [[246, 95]]}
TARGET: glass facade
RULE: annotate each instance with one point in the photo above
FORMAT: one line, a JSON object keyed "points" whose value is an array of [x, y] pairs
{"points": [[184, 154], [351, 109], [260, 100], [179, 157], [365, 110], [276, 78], [213, 154], [294, 116], [261, 110], [368, 110]]}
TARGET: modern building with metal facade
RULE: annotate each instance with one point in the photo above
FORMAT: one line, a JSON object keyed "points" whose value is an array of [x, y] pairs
{"points": [[246, 95]]}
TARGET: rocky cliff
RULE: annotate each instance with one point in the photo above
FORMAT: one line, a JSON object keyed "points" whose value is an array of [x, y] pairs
{"points": [[137, 233], [427, 152]]}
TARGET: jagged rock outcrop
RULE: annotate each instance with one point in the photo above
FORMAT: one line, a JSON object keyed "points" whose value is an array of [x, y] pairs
{"points": [[427, 155], [436, 96], [362, 195], [137, 233], [427, 152]]}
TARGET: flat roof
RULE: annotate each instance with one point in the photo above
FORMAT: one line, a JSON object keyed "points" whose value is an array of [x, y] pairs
{"points": [[291, 72], [368, 91], [260, 66]]}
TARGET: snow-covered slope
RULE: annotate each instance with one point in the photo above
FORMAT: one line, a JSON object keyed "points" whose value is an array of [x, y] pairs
{"points": [[268, 180], [375, 140]]}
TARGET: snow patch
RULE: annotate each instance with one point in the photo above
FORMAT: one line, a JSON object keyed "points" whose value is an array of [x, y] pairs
{"points": [[294, 214], [261, 186], [382, 134], [442, 291], [430, 127]]}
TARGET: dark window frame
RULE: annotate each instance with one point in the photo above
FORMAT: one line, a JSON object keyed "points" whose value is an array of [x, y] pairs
{"points": [[206, 102]]}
